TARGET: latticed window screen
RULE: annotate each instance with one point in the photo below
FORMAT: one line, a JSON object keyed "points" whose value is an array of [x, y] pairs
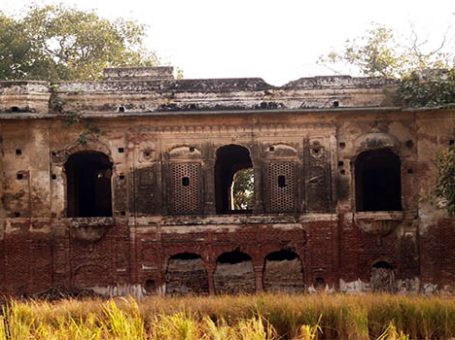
{"points": [[281, 183], [185, 184]]}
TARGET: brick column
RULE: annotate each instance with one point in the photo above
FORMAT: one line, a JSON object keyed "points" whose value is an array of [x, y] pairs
{"points": [[258, 272], [210, 277]]}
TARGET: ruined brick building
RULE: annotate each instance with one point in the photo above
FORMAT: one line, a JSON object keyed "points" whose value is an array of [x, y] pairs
{"points": [[123, 186]]}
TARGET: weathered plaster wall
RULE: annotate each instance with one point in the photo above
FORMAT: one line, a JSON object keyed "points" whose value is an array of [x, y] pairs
{"points": [[159, 134]]}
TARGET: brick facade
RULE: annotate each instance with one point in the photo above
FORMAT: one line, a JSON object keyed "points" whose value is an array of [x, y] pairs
{"points": [[161, 136]]}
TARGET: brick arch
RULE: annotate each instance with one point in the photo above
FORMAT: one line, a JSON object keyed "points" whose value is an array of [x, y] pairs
{"points": [[382, 276], [184, 152], [91, 144], [234, 273], [283, 272], [375, 141], [186, 273]]}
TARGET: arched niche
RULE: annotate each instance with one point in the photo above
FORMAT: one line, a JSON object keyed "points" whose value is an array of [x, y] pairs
{"points": [[184, 152], [283, 272], [234, 273], [382, 277], [186, 274]]}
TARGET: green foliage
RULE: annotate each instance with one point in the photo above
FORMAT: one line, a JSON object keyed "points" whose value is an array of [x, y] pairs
{"points": [[427, 78], [430, 88], [243, 189], [378, 53], [374, 54], [446, 180], [61, 43]]}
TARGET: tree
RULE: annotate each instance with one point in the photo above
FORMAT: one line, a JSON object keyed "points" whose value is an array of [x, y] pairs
{"points": [[61, 43], [243, 189], [426, 78]]}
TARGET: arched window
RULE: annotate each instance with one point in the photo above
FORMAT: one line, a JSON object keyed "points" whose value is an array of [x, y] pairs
{"points": [[378, 181], [88, 185], [234, 180]]}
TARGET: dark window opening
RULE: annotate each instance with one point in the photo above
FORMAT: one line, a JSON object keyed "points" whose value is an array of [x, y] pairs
{"points": [[234, 180], [18, 152], [88, 185], [282, 255], [121, 150], [409, 144], [383, 265], [336, 103], [378, 181], [233, 257], [121, 109], [14, 109], [185, 181], [185, 256], [19, 176], [282, 181], [319, 283]]}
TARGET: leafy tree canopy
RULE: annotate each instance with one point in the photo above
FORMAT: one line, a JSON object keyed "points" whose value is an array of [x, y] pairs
{"points": [[243, 189], [427, 78], [61, 43]]}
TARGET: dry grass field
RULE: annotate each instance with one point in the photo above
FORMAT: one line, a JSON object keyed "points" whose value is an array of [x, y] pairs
{"points": [[266, 316]]}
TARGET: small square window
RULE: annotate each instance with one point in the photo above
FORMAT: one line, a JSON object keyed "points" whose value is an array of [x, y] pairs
{"points": [[185, 181]]}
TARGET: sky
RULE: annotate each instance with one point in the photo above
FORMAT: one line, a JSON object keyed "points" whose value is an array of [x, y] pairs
{"points": [[278, 40]]}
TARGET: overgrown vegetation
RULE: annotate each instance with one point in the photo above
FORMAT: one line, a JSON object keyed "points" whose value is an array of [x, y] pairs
{"points": [[234, 317], [426, 75], [63, 43]]}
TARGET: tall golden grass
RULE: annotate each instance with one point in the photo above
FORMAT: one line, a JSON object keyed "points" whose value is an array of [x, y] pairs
{"points": [[265, 316]]}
